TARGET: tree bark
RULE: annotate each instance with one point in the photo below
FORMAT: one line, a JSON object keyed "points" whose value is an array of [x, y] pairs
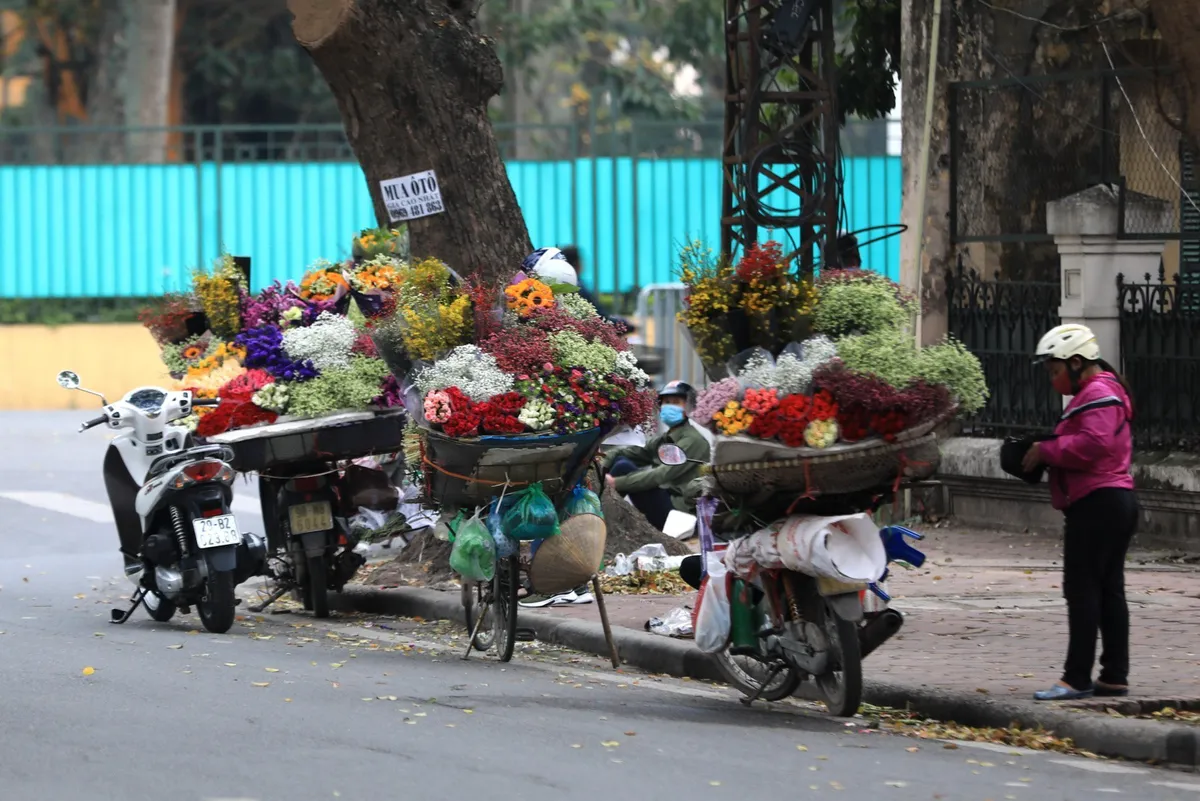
{"points": [[1178, 21], [413, 79]]}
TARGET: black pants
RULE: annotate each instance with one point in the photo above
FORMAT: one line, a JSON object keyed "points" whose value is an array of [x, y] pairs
{"points": [[1098, 530], [655, 504]]}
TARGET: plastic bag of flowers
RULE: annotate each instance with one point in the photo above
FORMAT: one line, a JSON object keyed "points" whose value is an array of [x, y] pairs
{"points": [[532, 516], [582, 501], [474, 553], [754, 367]]}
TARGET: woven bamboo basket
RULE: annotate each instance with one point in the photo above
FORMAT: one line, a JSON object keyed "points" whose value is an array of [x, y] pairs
{"points": [[742, 466], [463, 473]]}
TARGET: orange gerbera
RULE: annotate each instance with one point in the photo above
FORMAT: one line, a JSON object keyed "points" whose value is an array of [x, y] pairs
{"points": [[323, 285], [193, 352]]}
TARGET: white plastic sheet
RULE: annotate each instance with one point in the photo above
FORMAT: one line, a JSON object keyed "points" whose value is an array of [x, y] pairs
{"points": [[846, 548]]}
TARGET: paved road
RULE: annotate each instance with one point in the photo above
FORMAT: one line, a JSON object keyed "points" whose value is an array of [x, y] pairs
{"points": [[282, 708]]}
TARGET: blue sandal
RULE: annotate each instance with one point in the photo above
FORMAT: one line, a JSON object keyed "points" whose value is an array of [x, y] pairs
{"points": [[1060, 693]]}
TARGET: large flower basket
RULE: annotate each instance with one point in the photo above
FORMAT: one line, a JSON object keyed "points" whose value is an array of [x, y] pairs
{"points": [[463, 473], [743, 467]]}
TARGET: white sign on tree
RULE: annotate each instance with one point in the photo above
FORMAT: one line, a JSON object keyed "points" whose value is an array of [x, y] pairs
{"points": [[412, 196]]}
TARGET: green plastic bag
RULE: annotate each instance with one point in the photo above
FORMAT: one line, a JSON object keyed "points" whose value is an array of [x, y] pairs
{"points": [[474, 554], [583, 502], [532, 516]]}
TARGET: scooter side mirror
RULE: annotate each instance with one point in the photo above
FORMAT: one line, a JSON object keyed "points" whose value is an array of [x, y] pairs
{"points": [[69, 379], [671, 455]]}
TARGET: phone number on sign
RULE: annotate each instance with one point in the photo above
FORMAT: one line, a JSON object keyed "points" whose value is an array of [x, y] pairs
{"points": [[417, 210]]}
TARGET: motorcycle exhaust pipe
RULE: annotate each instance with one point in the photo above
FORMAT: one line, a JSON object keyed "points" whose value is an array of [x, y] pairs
{"points": [[880, 630]]}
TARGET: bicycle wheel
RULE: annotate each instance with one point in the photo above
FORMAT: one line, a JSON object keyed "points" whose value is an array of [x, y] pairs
{"points": [[504, 606], [475, 597]]}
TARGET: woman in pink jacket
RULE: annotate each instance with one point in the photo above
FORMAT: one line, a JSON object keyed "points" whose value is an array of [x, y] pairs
{"points": [[1090, 481]]}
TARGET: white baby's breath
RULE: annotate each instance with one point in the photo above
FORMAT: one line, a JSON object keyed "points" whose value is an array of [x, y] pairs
{"points": [[468, 368], [327, 342]]}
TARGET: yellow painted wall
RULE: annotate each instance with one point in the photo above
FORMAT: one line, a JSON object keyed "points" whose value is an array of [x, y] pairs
{"points": [[112, 359]]}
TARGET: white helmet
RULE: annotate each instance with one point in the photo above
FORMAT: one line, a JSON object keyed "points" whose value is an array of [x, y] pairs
{"points": [[551, 265], [1066, 341]]}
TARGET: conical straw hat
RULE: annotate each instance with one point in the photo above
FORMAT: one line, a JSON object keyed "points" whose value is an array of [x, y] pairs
{"points": [[571, 557]]}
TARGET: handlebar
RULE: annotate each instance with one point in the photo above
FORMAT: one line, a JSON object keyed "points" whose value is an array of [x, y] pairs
{"points": [[206, 401], [94, 422]]}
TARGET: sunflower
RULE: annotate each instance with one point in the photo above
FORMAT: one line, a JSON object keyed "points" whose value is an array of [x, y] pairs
{"points": [[192, 352], [525, 296]]}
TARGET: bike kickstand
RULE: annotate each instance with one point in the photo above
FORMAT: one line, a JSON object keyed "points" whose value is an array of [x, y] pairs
{"points": [[118, 617], [272, 598], [775, 671], [475, 631]]}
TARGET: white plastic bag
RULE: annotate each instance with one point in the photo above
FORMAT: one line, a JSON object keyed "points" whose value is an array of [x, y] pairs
{"points": [[712, 612], [846, 548]]}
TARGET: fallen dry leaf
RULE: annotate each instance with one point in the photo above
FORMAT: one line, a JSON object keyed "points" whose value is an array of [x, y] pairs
{"points": [[260, 684], [271, 670], [174, 647], [610, 743], [87, 671], [802, 748]]}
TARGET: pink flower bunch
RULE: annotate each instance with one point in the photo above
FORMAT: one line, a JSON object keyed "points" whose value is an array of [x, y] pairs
{"points": [[438, 407], [714, 398]]}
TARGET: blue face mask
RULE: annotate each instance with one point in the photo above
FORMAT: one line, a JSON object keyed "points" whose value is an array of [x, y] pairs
{"points": [[670, 415]]}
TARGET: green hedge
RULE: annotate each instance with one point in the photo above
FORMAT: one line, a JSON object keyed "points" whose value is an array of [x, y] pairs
{"points": [[65, 311]]}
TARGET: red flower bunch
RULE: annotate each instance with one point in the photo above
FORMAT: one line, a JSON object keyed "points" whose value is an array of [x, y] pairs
{"points": [[555, 319], [244, 386], [218, 421], [499, 413], [794, 413], [766, 425], [761, 262], [823, 406], [522, 349], [249, 414], [483, 294], [888, 424], [462, 424], [922, 401], [854, 423], [365, 346], [852, 389], [760, 401], [508, 403]]}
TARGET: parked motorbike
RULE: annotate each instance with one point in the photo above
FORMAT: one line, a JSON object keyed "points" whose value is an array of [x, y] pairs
{"points": [[182, 545], [299, 513], [796, 627]]}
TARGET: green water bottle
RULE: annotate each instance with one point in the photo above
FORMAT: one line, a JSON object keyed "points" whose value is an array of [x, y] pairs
{"points": [[743, 636]]}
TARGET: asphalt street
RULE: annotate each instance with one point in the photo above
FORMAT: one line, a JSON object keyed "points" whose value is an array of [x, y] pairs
{"points": [[283, 708]]}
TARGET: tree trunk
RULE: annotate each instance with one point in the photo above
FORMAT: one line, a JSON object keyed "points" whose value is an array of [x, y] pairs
{"points": [[152, 52], [1178, 21], [413, 80]]}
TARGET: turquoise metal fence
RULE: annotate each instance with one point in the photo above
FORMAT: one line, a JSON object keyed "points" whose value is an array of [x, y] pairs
{"points": [[134, 230]]}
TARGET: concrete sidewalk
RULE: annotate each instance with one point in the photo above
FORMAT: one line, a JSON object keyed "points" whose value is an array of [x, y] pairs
{"points": [[985, 627], [986, 614]]}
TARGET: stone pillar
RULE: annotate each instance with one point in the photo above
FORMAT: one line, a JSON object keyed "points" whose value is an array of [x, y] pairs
{"points": [[1085, 228]]}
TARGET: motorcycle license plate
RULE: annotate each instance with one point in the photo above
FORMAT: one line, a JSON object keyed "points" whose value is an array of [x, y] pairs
{"points": [[213, 532], [307, 518]]}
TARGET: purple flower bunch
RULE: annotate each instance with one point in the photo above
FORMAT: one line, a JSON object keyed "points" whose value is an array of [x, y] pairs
{"points": [[264, 350], [268, 306], [713, 399], [390, 394]]}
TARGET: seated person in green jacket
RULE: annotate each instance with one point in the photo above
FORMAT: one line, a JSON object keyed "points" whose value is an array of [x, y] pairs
{"points": [[638, 471]]}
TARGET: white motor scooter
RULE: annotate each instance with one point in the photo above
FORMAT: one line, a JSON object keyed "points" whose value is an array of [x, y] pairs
{"points": [[181, 543]]}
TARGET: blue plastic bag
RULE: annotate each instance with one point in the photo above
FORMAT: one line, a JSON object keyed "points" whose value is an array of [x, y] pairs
{"points": [[582, 501], [505, 547], [532, 516]]}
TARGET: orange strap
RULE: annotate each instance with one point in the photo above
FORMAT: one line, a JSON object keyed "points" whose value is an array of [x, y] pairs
{"points": [[445, 472], [904, 463]]}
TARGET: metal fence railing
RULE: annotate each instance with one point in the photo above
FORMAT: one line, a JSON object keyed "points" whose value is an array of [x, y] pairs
{"points": [[1001, 322], [1160, 354]]}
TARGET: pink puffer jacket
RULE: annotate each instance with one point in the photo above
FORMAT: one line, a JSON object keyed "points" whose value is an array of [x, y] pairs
{"points": [[1093, 448]]}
